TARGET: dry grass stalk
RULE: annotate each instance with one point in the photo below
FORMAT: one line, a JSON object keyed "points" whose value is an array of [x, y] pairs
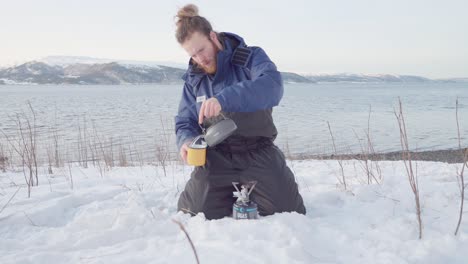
{"points": [[364, 161], [371, 168], [49, 160], [461, 173], [9, 200], [25, 146], [188, 237], [123, 162], [407, 159], [70, 174], [32, 132], [342, 181], [162, 147], [462, 186], [82, 144], [55, 138], [137, 152], [96, 142], [3, 158]]}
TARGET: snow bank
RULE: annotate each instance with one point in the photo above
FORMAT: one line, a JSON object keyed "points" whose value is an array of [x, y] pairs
{"points": [[125, 216]]}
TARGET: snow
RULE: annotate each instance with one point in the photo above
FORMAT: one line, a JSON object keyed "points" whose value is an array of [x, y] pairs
{"points": [[124, 215], [72, 76], [141, 67], [69, 60], [13, 82], [33, 71]]}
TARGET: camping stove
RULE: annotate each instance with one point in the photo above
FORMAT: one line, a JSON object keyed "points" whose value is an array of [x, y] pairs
{"points": [[243, 208]]}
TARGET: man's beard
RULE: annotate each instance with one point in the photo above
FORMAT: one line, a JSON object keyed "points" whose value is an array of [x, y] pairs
{"points": [[213, 67], [209, 70]]}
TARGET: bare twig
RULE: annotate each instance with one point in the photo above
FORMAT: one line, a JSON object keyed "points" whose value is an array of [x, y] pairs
{"points": [[365, 162], [29, 218], [25, 146], [339, 159], [56, 141], [162, 147], [407, 159], [371, 151], [461, 176], [96, 137], [123, 162], [458, 125], [11, 198], [188, 211], [3, 159], [33, 140], [71, 175], [188, 237]]}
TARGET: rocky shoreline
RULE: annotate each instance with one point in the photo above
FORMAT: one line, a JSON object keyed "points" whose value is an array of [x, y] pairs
{"points": [[447, 155]]}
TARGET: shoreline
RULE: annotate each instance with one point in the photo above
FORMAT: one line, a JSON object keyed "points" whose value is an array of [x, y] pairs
{"points": [[445, 155]]}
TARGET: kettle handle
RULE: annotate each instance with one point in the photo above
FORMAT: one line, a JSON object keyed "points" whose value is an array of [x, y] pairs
{"points": [[224, 117], [203, 127], [194, 141]]}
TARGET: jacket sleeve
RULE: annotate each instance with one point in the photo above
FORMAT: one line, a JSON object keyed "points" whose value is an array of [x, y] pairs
{"points": [[263, 91], [186, 121]]}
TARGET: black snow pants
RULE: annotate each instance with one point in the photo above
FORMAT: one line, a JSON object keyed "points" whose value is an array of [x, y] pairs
{"points": [[210, 190]]}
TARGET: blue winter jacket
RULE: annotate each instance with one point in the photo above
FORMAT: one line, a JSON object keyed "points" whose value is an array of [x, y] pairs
{"points": [[246, 84]]}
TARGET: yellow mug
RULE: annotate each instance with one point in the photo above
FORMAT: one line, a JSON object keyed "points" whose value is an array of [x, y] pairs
{"points": [[196, 153]]}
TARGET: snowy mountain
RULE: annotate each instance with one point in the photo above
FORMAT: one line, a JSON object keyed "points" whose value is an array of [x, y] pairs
{"points": [[32, 72], [115, 73], [289, 77], [104, 73], [349, 77], [454, 80], [87, 70], [69, 60]]}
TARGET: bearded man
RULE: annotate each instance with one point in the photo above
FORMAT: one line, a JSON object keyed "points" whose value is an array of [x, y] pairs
{"points": [[227, 78]]}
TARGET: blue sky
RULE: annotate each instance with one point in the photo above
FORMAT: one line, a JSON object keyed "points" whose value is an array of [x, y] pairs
{"points": [[427, 38]]}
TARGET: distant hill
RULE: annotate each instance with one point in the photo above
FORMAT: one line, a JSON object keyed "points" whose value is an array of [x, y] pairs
{"points": [[102, 73], [69, 60], [378, 78], [84, 70], [106, 73], [289, 77], [346, 77]]}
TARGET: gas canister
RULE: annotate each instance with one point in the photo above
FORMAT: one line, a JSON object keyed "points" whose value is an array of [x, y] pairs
{"points": [[244, 208]]}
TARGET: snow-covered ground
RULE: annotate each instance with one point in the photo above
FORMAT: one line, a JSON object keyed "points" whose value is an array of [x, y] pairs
{"points": [[125, 216]]}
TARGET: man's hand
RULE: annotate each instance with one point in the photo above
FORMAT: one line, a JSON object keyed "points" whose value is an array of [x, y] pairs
{"points": [[184, 150], [209, 108]]}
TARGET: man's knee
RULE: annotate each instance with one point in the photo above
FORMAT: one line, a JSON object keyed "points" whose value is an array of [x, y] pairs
{"points": [[192, 199], [208, 209], [201, 197]]}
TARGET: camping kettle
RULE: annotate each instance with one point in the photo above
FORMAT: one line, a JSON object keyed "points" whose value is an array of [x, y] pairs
{"points": [[218, 132], [215, 134]]}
